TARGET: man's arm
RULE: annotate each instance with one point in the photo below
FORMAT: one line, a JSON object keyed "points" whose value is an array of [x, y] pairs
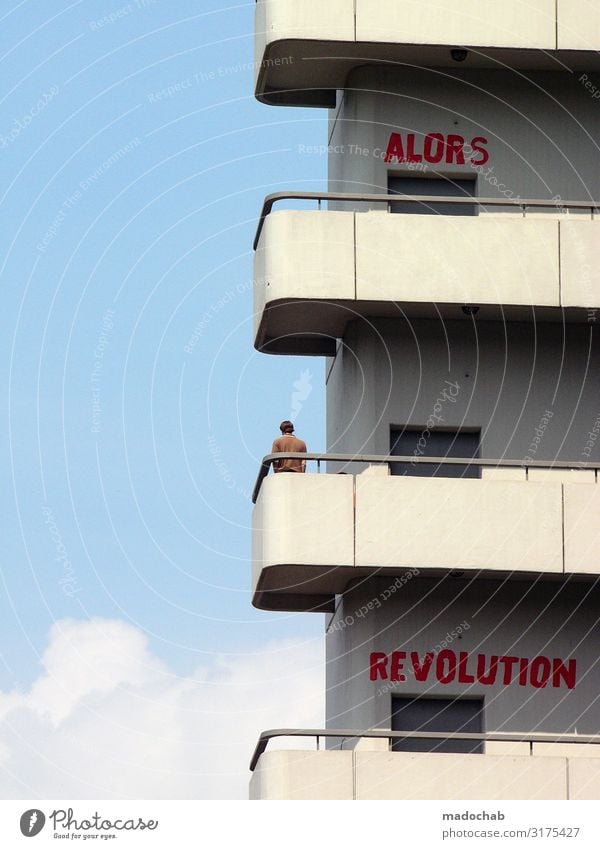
{"points": [[275, 450]]}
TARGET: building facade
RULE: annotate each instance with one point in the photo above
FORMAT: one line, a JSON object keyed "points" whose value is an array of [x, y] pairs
{"points": [[451, 277]]}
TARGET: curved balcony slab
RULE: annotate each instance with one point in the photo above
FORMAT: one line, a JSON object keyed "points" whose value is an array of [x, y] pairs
{"points": [[316, 271], [306, 522], [305, 51], [313, 534], [379, 775]]}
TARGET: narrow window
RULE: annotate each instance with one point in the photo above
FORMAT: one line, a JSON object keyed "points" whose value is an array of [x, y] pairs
{"points": [[446, 715], [421, 442], [438, 187]]}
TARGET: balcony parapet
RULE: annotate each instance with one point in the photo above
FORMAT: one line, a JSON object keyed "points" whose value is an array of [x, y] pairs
{"points": [[517, 260], [305, 51], [314, 533], [515, 766]]}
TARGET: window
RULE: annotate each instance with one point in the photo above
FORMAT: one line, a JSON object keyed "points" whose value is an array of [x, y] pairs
{"points": [[419, 442], [439, 187], [458, 715]]}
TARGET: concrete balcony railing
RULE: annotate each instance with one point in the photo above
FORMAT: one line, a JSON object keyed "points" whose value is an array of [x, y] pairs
{"points": [[317, 270], [528, 766], [305, 50], [314, 533]]}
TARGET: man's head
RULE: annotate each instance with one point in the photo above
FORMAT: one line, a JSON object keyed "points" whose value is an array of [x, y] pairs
{"points": [[286, 427]]}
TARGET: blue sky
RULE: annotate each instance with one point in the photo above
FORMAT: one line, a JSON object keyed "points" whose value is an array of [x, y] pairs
{"points": [[134, 164]]}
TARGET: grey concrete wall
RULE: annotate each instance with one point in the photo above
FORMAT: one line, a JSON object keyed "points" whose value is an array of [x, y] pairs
{"points": [[542, 129], [391, 372], [552, 619], [522, 384]]}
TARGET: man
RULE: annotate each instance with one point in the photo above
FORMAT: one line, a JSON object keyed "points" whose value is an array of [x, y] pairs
{"points": [[288, 442]]}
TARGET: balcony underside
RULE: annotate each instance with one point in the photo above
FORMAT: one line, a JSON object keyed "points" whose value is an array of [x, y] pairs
{"points": [[302, 588], [313, 534], [283, 329], [317, 271], [305, 51]]}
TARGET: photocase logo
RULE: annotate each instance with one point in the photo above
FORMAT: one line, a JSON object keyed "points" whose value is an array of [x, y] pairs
{"points": [[32, 822]]}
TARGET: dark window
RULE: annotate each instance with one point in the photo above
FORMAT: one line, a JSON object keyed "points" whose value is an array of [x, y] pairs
{"points": [[417, 442], [436, 187], [458, 715]]}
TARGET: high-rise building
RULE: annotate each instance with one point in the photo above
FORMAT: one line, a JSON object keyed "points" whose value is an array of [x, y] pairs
{"points": [[451, 277]]}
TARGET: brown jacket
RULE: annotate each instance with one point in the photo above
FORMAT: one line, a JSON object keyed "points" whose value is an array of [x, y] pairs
{"points": [[289, 442]]}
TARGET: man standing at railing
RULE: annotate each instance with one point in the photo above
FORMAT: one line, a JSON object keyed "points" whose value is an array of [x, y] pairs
{"points": [[287, 442]]}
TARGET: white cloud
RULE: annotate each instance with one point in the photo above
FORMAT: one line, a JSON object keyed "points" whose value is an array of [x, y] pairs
{"points": [[107, 719]]}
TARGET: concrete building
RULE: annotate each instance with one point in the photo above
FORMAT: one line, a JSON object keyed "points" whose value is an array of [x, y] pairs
{"points": [[459, 322]]}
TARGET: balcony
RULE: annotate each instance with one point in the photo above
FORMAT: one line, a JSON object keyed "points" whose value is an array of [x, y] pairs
{"points": [[314, 533], [317, 270], [515, 766], [305, 51]]}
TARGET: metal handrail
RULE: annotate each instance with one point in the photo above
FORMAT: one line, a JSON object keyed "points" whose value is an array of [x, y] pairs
{"points": [[354, 197], [378, 459], [377, 733], [490, 737]]}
